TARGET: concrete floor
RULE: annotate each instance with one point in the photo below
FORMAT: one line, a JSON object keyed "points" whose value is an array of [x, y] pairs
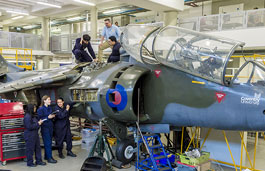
{"points": [[67, 164], [74, 164]]}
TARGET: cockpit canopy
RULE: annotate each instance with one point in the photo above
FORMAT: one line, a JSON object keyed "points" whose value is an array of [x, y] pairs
{"points": [[193, 52]]}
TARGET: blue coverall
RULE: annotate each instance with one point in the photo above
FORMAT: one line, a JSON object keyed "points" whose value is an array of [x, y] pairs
{"points": [[32, 139], [46, 130], [62, 129], [115, 54], [80, 53]]}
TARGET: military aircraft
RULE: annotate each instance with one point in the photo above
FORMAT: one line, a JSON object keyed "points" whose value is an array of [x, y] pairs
{"points": [[175, 77]]}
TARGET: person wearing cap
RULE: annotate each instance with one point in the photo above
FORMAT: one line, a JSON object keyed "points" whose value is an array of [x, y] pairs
{"points": [[79, 50]]}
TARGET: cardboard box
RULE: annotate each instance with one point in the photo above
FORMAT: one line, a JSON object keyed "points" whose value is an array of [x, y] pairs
{"points": [[204, 166]]}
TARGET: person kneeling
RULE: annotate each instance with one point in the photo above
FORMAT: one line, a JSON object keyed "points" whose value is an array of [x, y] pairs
{"points": [[31, 136], [62, 128], [115, 54]]}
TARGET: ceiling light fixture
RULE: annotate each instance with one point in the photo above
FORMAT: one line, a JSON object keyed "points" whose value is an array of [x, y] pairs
{"points": [[74, 18], [29, 27], [17, 17], [85, 2], [48, 4], [16, 12], [112, 11]]}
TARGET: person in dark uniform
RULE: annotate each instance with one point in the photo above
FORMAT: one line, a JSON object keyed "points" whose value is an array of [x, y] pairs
{"points": [[31, 136], [79, 50], [62, 128], [115, 54], [45, 113]]}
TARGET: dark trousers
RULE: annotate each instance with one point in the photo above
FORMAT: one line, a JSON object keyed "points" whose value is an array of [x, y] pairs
{"points": [[61, 136], [47, 133], [33, 145], [113, 59], [82, 56]]}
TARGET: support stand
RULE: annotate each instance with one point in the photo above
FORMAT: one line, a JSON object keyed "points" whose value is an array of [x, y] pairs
{"points": [[101, 145]]}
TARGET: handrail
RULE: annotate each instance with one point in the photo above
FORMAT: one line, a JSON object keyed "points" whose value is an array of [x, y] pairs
{"points": [[228, 21], [23, 57]]}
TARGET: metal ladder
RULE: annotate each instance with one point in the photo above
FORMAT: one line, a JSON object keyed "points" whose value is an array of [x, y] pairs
{"points": [[156, 152]]}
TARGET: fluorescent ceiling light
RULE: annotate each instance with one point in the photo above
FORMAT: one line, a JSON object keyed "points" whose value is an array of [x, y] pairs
{"points": [[48, 4], [16, 12], [17, 17], [85, 2], [74, 18], [112, 11], [29, 27]]}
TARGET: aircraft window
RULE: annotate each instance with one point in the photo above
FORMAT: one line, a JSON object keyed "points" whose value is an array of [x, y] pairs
{"points": [[196, 53], [132, 37], [251, 73], [146, 49]]}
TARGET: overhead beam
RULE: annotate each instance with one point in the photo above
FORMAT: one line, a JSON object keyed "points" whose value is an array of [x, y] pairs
{"points": [[157, 5]]}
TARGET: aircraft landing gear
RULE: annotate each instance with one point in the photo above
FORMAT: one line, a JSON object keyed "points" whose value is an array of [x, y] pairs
{"points": [[125, 151]]}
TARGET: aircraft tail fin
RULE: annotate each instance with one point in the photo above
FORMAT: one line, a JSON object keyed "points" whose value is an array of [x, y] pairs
{"points": [[3, 66], [6, 67]]}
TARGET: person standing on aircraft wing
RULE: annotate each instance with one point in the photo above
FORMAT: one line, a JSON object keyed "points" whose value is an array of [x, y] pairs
{"points": [[45, 113], [108, 30], [79, 49], [62, 128], [115, 54]]}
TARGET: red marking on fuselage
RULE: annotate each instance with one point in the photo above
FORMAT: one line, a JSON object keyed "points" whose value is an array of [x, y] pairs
{"points": [[157, 73], [117, 98], [220, 96]]}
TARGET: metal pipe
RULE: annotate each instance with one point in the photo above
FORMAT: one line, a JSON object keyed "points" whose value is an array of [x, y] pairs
{"points": [[246, 150], [255, 150], [208, 133], [230, 164], [229, 150], [190, 142], [241, 156], [182, 135]]}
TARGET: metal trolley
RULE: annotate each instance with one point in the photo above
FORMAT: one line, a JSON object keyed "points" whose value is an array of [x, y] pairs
{"points": [[12, 143]]}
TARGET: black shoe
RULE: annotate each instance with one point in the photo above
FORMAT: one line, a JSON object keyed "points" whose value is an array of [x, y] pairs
{"points": [[70, 153], [32, 165], [51, 160], [61, 156], [41, 163]]}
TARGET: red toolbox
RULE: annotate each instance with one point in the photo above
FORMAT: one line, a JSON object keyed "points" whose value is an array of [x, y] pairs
{"points": [[12, 146], [11, 109], [12, 143]]}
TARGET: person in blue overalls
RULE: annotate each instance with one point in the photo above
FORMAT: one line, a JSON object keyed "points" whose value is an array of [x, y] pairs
{"points": [[31, 135], [62, 128], [45, 113], [115, 54]]}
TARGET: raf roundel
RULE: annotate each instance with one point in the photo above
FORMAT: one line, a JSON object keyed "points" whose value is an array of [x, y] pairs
{"points": [[117, 98]]}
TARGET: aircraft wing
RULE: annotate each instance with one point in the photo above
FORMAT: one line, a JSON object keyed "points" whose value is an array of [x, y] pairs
{"points": [[28, 80]]}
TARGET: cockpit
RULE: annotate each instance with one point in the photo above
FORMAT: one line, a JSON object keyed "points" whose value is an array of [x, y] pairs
{"points": [[192, 52]]}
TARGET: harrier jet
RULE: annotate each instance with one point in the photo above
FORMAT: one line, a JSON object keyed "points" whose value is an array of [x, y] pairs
{"points": [[175, 77]]}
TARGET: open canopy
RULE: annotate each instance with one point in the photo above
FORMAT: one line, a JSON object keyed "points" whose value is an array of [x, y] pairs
{"points": [[193, 52]]}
